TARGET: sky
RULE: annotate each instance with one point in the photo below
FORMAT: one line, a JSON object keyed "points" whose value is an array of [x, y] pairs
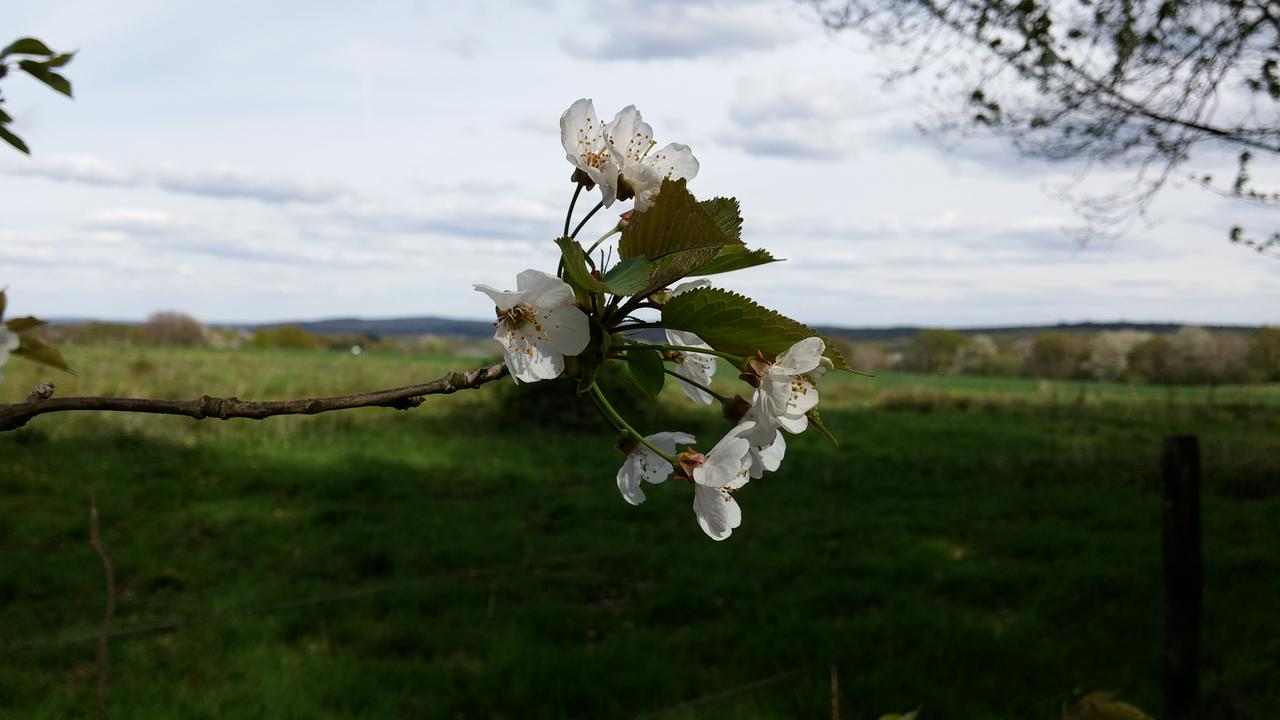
{"points": [[247, 161]]}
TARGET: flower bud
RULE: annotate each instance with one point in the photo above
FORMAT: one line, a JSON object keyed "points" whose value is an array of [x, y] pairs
{"points": [[626, 443], [625, 218], [735, 408], [754, 368], [687, 461], [583, 179]]}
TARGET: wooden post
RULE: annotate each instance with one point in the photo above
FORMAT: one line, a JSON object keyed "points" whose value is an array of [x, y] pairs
{"points": [[1182, 576]]}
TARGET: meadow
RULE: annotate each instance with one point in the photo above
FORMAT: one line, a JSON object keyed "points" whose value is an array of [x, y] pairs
{"points": [[976, 548]]}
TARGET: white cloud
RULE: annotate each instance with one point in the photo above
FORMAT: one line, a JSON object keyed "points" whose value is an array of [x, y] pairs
{"points": [[86, 169], [620, 30]]}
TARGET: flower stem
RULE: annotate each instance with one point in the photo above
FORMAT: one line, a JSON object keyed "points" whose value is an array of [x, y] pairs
{"points": [[618, 420], [584, 220], [694, 383], [568, 217], [616, 229]]}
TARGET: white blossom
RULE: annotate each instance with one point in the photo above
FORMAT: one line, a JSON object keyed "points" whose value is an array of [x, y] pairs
{"points": [[8, 343], [587, 147], [631, 139], [696, 367], [786, 393], [644, 464], [723, 470], [693, 368], [538, 325]]}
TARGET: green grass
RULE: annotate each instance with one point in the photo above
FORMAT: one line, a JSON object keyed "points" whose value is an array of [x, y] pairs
{"points": [[979, 559]]}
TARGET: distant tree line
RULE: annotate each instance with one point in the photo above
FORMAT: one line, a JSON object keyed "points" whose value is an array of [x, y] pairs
{"points": [[1189, 356]]}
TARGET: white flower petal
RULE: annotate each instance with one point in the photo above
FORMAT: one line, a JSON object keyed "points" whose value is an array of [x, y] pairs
{"points": [[801, 357], [674, 161], [504, 299], [802, 398], [718, 513], [568, 328], [691, 285], [629, 136], [794, 424], [642, 464], [544, 290], [767, 458], [582, 134]]}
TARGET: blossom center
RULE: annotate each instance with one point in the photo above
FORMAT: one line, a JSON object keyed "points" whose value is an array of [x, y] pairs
{"points": [[518, 316]]}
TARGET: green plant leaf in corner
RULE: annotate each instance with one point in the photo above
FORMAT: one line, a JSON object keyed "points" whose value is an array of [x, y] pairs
{"points": [[26, 46], [38, 71], [23, 324], [575, 267], [735, 324], [675, 222], [629, 276], [646, 369], [37, 350], [14, 140], [736, 257], [816, 420], [727, 215]]}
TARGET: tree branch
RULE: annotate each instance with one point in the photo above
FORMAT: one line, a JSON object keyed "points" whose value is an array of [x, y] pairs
{"points": [[16, 415]]}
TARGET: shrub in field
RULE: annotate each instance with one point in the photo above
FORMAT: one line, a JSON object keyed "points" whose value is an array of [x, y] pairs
{"points": [[174, 328]]}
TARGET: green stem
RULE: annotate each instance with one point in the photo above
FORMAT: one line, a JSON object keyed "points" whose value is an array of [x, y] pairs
{"points": [[616, 229], [568, 217], [584, 220], [694, 383], [735, 359], [618, 420]]}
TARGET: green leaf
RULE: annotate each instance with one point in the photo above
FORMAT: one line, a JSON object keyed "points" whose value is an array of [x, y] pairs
{"points": [[575, 267], [735, 324], [26, 46], [46, 76], [674, 223], [628, 276], [37, 350], [58, 60], [5, 117], [680, 265], [816, 420], [727, 215], [23, 324], [13, 140], [646, 369], [736, 257]]}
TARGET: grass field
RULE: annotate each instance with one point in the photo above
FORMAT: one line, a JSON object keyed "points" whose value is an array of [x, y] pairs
{"points": [[979, 548]]}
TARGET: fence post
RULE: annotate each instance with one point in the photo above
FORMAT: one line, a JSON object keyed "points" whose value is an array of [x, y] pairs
{"points": [[1182, 576]]}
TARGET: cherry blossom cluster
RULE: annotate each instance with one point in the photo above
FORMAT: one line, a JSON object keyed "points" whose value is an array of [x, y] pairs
{"points": [[568, 323]]}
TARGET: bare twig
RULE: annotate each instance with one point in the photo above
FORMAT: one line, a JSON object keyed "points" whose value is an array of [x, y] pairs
{"points": [[403, 398], [104, 662]]}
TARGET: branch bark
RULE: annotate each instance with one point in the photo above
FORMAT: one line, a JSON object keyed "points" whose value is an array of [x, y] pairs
{"points": [[16, 415]]}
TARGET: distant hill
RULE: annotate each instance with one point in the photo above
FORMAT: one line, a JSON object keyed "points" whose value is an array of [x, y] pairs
{"points": [[479, 329]]}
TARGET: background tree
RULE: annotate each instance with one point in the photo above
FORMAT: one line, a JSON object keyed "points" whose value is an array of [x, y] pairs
{"points": [[1139, 84], [1264, 353], [933, 350], [1056, 355], [1109, 353], [1150, 360]]}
